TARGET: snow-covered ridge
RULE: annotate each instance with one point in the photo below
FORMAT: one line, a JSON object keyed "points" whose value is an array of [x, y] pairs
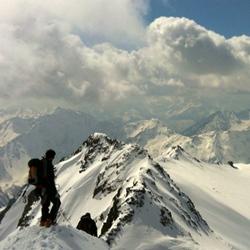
{"points": [[177, 153], [126, 191], [134, 178]]}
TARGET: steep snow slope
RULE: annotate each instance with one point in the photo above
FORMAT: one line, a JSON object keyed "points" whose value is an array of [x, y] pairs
{"points": [[220, 192], [127, 187], [133, 200], [59, 237]]}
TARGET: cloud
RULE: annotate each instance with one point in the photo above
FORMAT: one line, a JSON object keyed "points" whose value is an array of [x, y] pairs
{"points": [[93, 20], [46, 53], [199, 56], [43, 53]]}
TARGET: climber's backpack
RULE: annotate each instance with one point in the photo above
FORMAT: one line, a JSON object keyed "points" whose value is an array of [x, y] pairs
{"points": [[35, 172]]}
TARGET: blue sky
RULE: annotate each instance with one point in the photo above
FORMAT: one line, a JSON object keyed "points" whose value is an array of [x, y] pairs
{"points": [[226, 17]]}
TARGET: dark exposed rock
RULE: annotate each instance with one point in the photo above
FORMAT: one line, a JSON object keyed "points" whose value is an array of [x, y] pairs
{"points": [[166, 217], [161, 170], [25, 218], [138, 197], [9, 205], [112, 216], [231, 163]]}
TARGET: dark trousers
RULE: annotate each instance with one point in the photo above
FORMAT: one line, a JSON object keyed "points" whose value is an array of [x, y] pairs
{"points": [[49, 196]]}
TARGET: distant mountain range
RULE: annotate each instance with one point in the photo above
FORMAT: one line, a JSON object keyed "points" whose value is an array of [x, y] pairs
{"points": [[221, 137], [219, 121], [22, 138]]}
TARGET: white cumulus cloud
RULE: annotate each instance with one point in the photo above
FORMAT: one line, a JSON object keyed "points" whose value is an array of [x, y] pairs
{"points": [[46, 52]]}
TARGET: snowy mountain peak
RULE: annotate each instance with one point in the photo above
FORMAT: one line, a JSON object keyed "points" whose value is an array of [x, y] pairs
{"points": [[135, 128], [218, 121], [153, 122], [140, 132], [99, 142], [177, 150], [132, 188], [99, 138], [178, 153]]}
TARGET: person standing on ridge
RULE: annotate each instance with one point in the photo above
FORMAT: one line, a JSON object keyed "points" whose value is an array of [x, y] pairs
{"points": [[48, 191]]}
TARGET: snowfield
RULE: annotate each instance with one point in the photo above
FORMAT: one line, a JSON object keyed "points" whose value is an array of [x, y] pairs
{"points": [[54, 238], [220, 193]]}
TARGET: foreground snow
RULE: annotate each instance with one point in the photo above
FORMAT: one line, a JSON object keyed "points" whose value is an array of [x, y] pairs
{"points": [[56, 237]]}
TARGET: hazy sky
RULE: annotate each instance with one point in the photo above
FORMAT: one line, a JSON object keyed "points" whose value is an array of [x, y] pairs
{"points": [[124, 54]]}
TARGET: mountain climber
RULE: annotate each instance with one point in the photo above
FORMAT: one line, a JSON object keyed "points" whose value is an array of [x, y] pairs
{"points": [[47, 191], [87, 224]]}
